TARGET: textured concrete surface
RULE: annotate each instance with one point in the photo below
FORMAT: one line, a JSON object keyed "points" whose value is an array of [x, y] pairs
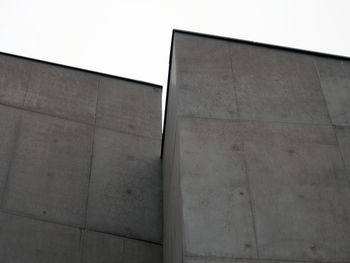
{"points": [[335, 82], [49, 173], [300, 206], [62, 92], [291, 201], [14, 77], [136, 251], [276, 85], [100, 247], [125, 189], [9, 128], [231, 260], [105, 248], [209, 163], [253, 169], [206, 90], [33, 241], [300, 192], [47, 150], [221, 260], [172, 199], [129, 107], [343, 135]]}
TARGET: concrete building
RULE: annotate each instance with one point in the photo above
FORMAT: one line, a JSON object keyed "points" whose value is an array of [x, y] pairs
{"points": [[80, 176], [256, 154], [255, 162]]}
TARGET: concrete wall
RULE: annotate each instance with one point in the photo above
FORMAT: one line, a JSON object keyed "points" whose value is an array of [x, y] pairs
{"points": [[256, 154], [80, 174]]}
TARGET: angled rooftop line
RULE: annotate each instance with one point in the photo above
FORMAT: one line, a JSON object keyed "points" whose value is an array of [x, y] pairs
{"points": [[303, 51], [84, 70]]}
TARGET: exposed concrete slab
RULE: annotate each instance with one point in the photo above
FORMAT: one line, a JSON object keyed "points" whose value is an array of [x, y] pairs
{"points": [[172, 211], [14, 77], [204, 77], [62, 92], [32, 241], [142, 252], [232, 260], [217, 215], [104, 248], [210, 259], [297, 182], [343, 134], [276, 85], [125, 188], [10, 120], [129, 107], [172, 201], [273, 144], [50, 171], [301, 196], [335, 82]]}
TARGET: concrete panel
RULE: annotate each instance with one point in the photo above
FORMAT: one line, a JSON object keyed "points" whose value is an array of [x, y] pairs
{"points": [[295, 175], [204, 77], [125, 188], [343, 134], [50, 171], [14, 77], [170, 129], [129, 107], [300, 192], [172, 212], [217, 213], [275, 85], [32, 241], [142, 252], [210, 259], [335, 81], [10, 119], [62, 92], [102, 248], [105, 248]]}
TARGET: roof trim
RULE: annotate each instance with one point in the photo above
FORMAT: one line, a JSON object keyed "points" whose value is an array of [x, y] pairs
{"points": [[84, 70], [303, 51]]}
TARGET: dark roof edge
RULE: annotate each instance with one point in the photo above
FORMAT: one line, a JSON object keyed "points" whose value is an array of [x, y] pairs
{"points": [[167, 92], [315, 53], [233, 40], [81, 69]]}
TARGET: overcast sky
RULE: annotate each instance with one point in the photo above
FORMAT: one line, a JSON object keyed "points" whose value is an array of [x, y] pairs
{"points": [[132, 38]]}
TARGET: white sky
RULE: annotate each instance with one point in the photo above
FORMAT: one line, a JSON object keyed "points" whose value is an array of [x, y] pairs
{"points": [[132, 38]]}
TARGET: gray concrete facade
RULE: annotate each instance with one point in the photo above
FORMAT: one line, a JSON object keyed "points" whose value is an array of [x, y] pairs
{"points": [[80, 173], [255, 163], [256, 154]]}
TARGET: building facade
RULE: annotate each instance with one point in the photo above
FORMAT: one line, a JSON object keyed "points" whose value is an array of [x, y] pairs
{"points": [[253, 165], [256, 154], [80, 174]]}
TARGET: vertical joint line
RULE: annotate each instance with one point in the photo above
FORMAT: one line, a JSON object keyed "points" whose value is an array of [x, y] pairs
{"points": [[321, 89], [17, 135], [28, 84], [232, 77], [92, 153], [252, 208], [333, 126]]}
